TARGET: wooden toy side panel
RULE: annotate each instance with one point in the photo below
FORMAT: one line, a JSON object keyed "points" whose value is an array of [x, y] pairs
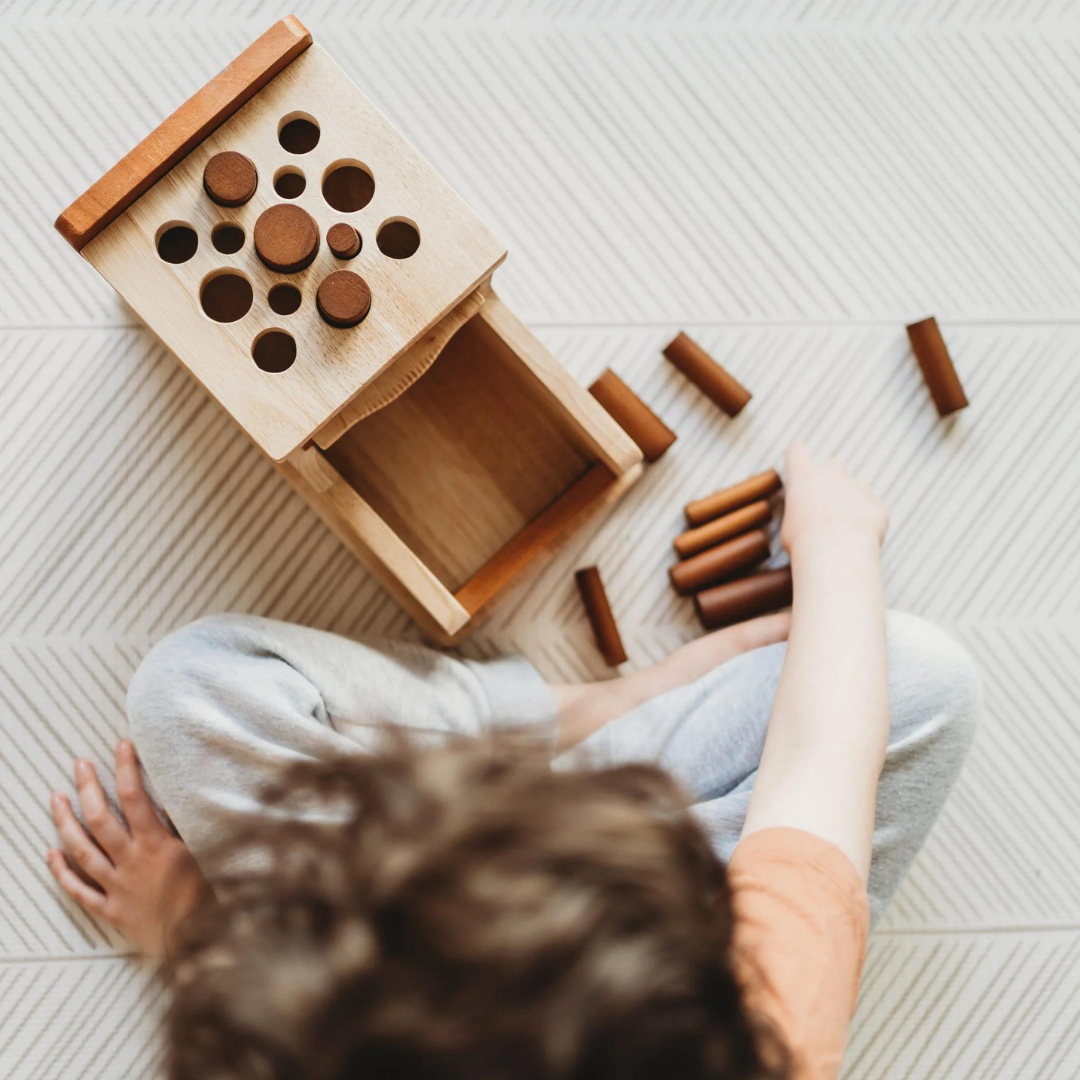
{"points": [[376, 545], [282, 410]]}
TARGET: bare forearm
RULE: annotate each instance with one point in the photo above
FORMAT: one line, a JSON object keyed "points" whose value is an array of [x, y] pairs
{"points": [[830, 721], [585, 708]]}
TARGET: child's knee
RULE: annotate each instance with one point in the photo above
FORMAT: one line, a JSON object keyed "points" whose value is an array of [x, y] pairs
{"points": [[170, 670], [934, 685]]}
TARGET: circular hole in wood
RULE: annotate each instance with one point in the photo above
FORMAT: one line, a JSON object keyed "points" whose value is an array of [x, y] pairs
{"points": [[226, 296], [177, 242], [227, 238], [284, 298], [274, 350], [289, 182], [398, 238], [298, 133], [348, 186]]}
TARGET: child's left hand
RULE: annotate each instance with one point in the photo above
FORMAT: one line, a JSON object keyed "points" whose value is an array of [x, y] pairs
{"points": [[144, 878]]}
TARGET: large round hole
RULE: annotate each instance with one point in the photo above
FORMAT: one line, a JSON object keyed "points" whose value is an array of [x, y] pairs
{"points": [[298, 133], [227, 238], [348, 186], [289, 182], [274, 350], [398, 238], [226, 296], [284, 298], [177, 243]]}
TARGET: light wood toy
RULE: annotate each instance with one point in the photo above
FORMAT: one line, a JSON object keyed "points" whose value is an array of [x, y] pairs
{"points": [[440, 441]]}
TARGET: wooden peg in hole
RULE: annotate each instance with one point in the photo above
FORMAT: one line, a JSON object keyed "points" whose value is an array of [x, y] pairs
{"points": [[707, 375], [598, 609], [744, 598], [731, 498], [937, 366], [723, 528], [651, 434]]}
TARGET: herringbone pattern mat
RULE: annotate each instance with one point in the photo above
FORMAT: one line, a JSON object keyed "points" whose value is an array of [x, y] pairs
{"points": [[790, 181]]}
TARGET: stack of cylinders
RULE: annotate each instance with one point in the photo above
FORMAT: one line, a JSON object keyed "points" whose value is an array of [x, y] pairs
{"points": [[728, 536]]}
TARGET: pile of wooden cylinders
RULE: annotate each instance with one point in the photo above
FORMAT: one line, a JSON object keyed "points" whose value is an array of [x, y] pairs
{"points": [[728, 536]]}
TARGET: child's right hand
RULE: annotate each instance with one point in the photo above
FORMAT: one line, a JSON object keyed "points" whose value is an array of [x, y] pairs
{"points": [[824, 502]]}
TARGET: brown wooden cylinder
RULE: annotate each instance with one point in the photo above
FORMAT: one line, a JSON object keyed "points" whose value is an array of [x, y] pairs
{"points": [[707, 375], [651, 434], [605, 630], [723, 528], [731, 498], [714, 564], [937, 366], [744, 598]]}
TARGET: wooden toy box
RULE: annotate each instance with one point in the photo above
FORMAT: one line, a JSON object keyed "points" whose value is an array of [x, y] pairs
{"points": [[438, 438]]}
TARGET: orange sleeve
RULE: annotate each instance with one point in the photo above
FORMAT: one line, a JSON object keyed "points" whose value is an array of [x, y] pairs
{"points": [[802, 922]]}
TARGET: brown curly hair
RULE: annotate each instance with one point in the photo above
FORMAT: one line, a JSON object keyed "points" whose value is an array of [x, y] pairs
{"points": [[466, 913]]}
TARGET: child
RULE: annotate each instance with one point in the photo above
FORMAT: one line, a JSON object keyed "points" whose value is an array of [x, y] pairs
{"points": [[458, 908]]}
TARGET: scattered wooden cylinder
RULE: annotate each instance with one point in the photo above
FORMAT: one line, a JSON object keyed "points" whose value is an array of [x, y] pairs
{"points": [[715, 564], [605, 630], [937, 366], [651, 434], [744, 598], [722, 528], [707, 375], [731, 498]]}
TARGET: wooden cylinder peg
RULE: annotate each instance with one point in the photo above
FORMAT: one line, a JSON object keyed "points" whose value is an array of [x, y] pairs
{"points": [[937, 366], [343, 241], [735, 601], [598, 609], [286, 238], [343, 298], [230, 178], [723, 528], [651, 434], [731, 498], [715, 564], [707, 375]]}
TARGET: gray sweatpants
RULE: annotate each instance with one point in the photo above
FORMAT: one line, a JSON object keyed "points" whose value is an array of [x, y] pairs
{"points": [[218, 707]]}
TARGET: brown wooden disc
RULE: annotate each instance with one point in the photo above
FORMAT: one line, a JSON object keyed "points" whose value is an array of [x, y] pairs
{"points": [[343, 298], [286, 238], [343, 241], [230, 178]]}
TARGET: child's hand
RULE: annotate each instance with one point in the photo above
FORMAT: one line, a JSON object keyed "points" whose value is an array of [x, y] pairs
{"points": [[824, 501], [146, 880]]}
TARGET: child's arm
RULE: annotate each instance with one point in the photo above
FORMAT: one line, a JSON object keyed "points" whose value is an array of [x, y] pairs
{"points": [[585, 708], [830, 721], [142, 879]]}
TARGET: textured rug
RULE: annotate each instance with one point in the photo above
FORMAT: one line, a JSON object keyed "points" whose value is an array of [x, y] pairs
{"points": [[791, 182]]}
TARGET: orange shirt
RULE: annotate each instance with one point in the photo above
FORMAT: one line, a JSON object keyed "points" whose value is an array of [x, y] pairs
{"points": [[802, 922]]}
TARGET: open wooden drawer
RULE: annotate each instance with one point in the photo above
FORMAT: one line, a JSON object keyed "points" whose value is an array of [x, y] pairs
{"points": [[473, 474]]}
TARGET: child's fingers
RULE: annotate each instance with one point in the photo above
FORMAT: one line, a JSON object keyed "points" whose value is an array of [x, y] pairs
{"points": [[89, 897], [100, 820], [77, 844], [136, 804]]}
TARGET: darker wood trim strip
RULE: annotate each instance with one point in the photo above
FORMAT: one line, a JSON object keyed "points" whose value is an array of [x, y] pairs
{"points": [[206, 110]]}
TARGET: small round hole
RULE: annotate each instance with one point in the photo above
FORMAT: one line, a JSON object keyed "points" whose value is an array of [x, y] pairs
{"points": [[348, 186], [227, 238], [298, 133], [398, 238], [226, 296], [177, 243], [289, 182], [274, 350], [284, 298]]}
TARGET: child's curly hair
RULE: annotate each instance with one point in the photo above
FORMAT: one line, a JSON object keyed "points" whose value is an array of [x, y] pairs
{"points": [[466, 913]]}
